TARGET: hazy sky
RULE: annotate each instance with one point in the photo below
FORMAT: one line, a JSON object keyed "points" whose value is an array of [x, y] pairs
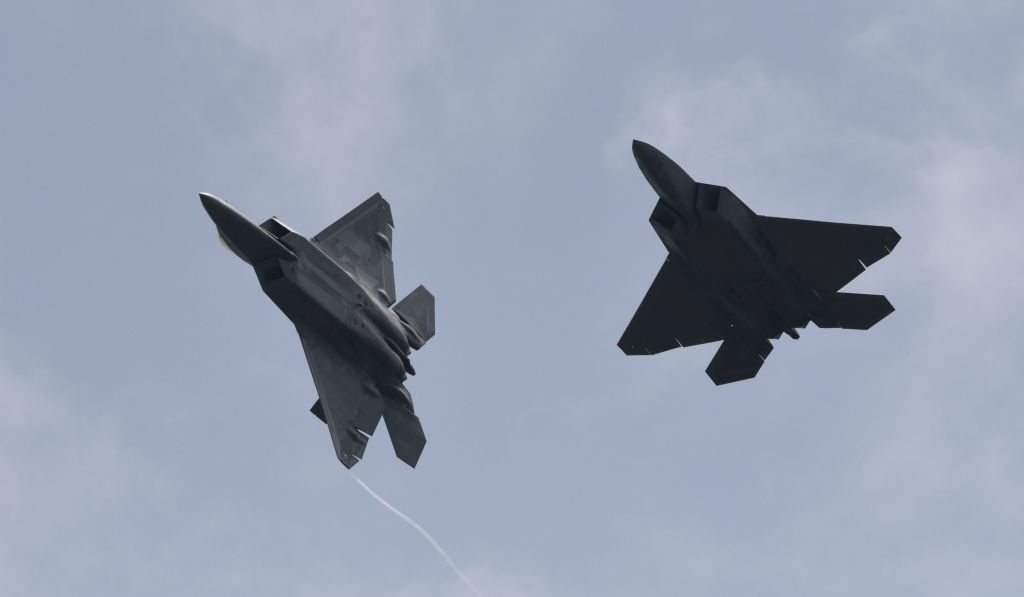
{"points": [[154, 433]]}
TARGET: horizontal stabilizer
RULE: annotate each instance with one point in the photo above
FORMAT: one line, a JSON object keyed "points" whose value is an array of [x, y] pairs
{"points": [[738, 359], [417, 312], [405, 430], [855, 311]]}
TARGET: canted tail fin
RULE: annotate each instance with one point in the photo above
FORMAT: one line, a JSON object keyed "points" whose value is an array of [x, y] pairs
{"points": [[855, 311], [417, 313]]}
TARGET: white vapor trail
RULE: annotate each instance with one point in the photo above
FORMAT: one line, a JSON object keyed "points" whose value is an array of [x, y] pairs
{"points": [[437, 547]]}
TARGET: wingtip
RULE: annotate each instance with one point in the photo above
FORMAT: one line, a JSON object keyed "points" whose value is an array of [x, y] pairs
{"points": [[411, 458], [895, 240]]}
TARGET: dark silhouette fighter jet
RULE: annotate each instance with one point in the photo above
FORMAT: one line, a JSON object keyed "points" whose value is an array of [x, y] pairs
{"points": [[337, 289], [734, 276]]}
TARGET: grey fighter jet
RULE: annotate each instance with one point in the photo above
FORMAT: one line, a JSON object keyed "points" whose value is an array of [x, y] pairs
{"points": [[337, 289], [734, 276]]}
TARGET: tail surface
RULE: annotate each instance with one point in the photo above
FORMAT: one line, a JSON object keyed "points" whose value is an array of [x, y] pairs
{"points": [[738, 358], [405, 430], [853, 311], [417, 313]]}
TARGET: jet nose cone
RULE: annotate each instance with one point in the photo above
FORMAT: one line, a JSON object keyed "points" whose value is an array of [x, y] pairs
{"points": [[247, 240], [219, 211], [211, 203], [645, 153]]}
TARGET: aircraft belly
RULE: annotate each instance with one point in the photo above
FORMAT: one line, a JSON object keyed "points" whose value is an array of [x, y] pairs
{"points": [[716, 253], [307, 298], [736, 273], [742, 278]]}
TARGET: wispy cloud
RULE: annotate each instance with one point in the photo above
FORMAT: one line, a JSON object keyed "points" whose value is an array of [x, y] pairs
{"points": [[341, 76], [62, 471]]}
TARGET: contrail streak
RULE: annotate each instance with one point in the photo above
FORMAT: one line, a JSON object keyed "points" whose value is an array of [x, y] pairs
{"points": [[437, 547]]}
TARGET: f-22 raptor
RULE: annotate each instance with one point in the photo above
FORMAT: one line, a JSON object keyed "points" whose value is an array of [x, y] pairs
{"points": [[741, 278], [337, 289]]}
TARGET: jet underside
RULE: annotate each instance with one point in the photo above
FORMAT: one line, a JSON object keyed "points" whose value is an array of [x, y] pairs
{"points": [[337, 289], [740, 278]]}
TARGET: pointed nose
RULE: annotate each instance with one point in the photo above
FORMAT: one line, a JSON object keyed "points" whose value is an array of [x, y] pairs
{"points": [[247, 240], [209, 200], [672, 184], [218, 209], [646, 155]]}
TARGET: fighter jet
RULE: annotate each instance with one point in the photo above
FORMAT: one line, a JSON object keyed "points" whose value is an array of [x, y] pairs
{"points": [[741, 278], [337, 289]]}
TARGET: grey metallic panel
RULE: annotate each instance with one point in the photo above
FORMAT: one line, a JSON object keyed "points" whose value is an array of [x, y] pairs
{"points": [[361, 243], [417, 311], [349, 401], [245, 239], [337, 293]]}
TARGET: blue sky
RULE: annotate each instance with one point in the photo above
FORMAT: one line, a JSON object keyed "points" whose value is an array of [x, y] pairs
{"points": [[154, 433]]}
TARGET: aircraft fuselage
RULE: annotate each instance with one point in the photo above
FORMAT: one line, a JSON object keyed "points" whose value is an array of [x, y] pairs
{"points": [[710, 231], [315, 292]]}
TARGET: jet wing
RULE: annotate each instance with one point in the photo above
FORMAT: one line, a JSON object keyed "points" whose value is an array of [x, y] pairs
{"points": [[349, 401], [677, 310], [361, 243], [827, 255]]}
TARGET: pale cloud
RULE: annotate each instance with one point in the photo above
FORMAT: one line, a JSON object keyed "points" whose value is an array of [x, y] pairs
{"points": [[706, 121], [949, 445], [964, 211], [340, 74], [560, 467], [876, 35], [61, 469]]}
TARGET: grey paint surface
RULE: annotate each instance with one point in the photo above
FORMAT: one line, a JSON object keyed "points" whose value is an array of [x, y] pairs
{"points": [[741, 278], [337, 290], [885, 463]]}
